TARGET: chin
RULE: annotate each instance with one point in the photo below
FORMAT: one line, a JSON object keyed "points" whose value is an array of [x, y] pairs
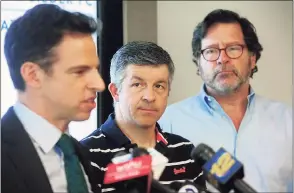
{"points": [[82, 117], [146, 124]]}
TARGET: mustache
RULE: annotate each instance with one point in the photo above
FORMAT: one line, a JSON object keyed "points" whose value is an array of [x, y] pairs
{"points": [[226, 68], [149, 107]]}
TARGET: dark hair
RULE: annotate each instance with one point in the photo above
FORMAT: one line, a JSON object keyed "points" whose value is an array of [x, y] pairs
{"points": [[139, 53], [33, 36], [226, 16]]}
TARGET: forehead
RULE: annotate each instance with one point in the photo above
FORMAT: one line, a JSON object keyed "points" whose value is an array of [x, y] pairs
{"points": [[223, 33], [77, 49], [147, 72]]}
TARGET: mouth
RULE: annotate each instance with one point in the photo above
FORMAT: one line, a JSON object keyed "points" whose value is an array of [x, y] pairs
{"points": [[224, 73], [89, 104], [147, 109], [90, 100]]}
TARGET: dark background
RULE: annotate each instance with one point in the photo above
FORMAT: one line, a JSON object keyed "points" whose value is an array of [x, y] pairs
{"points": [[110, 12]]}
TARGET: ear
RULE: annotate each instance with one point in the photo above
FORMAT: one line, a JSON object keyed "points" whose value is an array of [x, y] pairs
{"points": [[253, 60], [31, 73], [196, 62], [113, 91]]}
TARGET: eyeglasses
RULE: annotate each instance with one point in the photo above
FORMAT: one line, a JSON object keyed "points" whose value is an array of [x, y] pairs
{"points": [[212, 54]]}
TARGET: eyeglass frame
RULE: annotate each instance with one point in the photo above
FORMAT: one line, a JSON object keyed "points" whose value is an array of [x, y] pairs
{"points": [[225, 49]]}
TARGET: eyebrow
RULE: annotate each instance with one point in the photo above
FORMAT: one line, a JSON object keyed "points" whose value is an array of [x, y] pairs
{"points": [[141, 79], [227, 44], [81, 67], [161, 81], [137, 77]]}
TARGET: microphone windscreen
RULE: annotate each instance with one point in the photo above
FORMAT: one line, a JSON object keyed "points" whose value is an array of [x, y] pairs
{"points": [[202, 153]]}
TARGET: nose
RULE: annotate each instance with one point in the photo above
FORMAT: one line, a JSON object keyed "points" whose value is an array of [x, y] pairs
{"points": [[96, 82], [223, 57], [149, 94]]}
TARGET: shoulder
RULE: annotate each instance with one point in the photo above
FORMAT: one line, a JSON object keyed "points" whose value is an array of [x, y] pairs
{"points": [[179, 110], [10, 126], [175, 139], [8, 120], [100, 151], [272, 105], [99, 147], [95, 139], [181, 146], [273, 110], [184, 104], [278, 114], [181, 165]]}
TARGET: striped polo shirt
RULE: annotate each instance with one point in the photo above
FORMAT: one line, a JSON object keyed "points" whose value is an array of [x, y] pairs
{"points": [[108, 140]]}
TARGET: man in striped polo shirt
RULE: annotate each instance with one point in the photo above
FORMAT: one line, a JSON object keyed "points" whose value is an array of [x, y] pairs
{"points": [[141, 74]]}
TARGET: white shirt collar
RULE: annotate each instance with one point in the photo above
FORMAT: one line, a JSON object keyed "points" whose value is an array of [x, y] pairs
{"points": [[39, 129]]}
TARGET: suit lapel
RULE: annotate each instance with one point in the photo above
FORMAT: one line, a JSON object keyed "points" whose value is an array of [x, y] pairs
{"points": [[23, 154]]}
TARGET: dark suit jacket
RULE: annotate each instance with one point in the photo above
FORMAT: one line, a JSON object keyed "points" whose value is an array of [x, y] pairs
{"points": [[21, 168]]}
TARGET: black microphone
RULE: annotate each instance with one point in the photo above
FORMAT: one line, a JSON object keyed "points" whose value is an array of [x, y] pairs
{"points": [[221, 170]]}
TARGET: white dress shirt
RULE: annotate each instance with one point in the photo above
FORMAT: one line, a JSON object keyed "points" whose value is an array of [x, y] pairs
{"points": [[44, 137]]}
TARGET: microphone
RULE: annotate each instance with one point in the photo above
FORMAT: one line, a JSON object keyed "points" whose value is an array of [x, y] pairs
{"points": [[132, 173], [182, 187], [221, 170], [158, 160], [156, 187], [190, 187]]}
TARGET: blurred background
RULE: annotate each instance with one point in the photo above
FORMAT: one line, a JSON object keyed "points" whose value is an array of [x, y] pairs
{"points": [[170, 24]]}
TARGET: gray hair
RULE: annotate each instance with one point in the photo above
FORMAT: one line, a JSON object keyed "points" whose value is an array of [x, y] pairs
{"points": [[139, 53]]}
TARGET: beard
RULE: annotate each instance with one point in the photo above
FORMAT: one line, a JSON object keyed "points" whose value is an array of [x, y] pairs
{"points": [[228, 82]]}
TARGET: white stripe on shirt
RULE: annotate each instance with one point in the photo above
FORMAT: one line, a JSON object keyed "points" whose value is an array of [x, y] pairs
{"points": [[179, 144], [96, 166], [180, 163], [107, 150]]}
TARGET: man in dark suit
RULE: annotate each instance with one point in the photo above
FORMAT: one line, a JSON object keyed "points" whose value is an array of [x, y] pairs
{"points": [[53, 63]]}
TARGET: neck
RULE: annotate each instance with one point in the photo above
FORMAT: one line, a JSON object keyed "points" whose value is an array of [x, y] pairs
{"points": [[38, 106], [142, 136], [234, 101]]}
